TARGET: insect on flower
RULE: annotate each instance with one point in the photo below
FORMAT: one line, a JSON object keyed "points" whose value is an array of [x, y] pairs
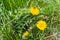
{"points": [[34, 10]]}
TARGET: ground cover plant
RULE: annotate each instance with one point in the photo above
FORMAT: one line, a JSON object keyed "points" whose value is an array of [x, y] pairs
{"points": [[29, 19]]}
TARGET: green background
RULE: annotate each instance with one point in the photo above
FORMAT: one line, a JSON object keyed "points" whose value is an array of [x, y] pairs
{"points": [[15, 19]]}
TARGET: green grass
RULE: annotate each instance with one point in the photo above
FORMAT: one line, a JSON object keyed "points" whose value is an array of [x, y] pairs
{"points": [[15, 16]]}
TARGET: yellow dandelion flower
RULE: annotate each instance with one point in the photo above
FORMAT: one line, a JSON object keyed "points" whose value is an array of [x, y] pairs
{"points": [[34, 10], [41, 25], [26, 33]]}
